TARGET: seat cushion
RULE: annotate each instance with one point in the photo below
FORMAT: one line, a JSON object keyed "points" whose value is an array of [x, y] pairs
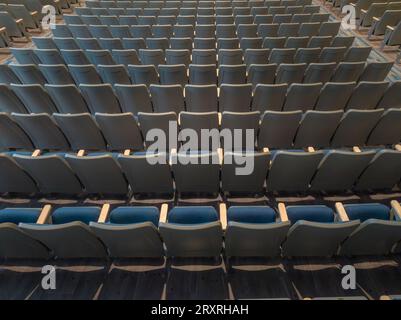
{"points": [[127, 215], [192, 215], [365, 211], [20, 215], [251, 214], [312, 213], [70, 214]]}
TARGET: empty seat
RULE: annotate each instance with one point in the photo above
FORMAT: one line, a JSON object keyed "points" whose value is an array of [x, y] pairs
{"points": [[319, 72], [366, 95], [84, 74], [113, 74], [100, 57], [235, 74], [67, 98], [392, 97], [100, 98], [133, 98], [269, 97], [9, 101], [348, 71], [28, 74], [34, 97], [282, 56], [230, 57], [334, 95], [156, 44], [201, 98], [152, 56], [290, 73], [262, 74], [173, 74], [203, 56], [332, 54], [277, 129], [376, 71], [307, 55], [355, 54], [25, 56], [202, 74], [236, 98], [178, 56], [143, 74], [56, 74], [302, 96], [166, 98]]}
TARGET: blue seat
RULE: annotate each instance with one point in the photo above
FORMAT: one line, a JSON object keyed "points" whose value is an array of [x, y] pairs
{"points": [[365, 211], [251, 214], [311, 213], [192, 215], [19, 215], [70, 214], [128, 215]]}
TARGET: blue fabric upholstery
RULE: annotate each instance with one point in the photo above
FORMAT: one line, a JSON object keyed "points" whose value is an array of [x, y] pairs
{"points": [[20, 215], [251, 214], [192, 215], [313, 213], [70, 214], [127, 215], [365, 211], [20, 153]]}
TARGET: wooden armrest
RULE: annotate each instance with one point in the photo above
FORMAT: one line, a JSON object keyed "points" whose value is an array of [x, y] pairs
{"points": [[376, 19], [36, 153], [19, 20], [311, 149], [396, 209], [81, 153], [266, 150], [220, 154], [282, 211], [384, 297], [397, 147], [364, 11], [342, 214], [353, 4], [104, 213], [223, 215], [356, 149], [127, 152], [390, 28], [33, 13], [163, 213], [220, 117], [2, 29], [44, 216]]}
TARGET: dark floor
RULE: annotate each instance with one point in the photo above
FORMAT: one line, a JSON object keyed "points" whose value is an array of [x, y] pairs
{"points": [[200, 279]]}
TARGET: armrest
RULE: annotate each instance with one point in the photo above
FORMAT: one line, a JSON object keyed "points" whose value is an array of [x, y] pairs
{"points": [[397, 147], [282, 211], [223, 215], [2, 29], [266, 150], [311, 149], [364, 11], [36, 153], [396, 209], [390, 28], [353, 4], [104, 213], [44, 214], [33, 13], [220, 154], [19, 20], [356, 149], [384, 297], [81, 153], [163, 213], [376, 19], [220, 117], [342, 214], [127, 152]]}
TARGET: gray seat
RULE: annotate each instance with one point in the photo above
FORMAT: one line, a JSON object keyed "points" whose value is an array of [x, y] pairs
{"points": [[51, 173], [34, 97], [348, 71], [261, 74], [160, 121], [13, 179], [237, 179], [235, 97], [81, 131], [166, 98], [183, 30], [274, 42], [292, 171], [355, 54], [383, 172], [315, 231], [290, 73], [42, 130], [332, 54], [84, 74], [367, 95], [309, 29], [133, 98], [203, 56], [125, 56], [232, 74], [269, 97], [343, 41], [277, 129], [334, 95], [247, 122], [67, 98], [179, 44], [148, 173], [152, 57], [317, 128], [204, 43], [49, 56], [339, 170], [282, 55], [143, 74], [13, 137], [156, 44], [100, 98], [9, 101], [99, 174], [97, 57], [307, 55], [297, 43], [173, 74], [28, 74], [387, 131], [66, 44], [201, 98], [319, 72], [251, 43], [7, 75], [202, 74], [114, 74], [121, 131], [74, 57], [178, 56], [319, 41], [25, 55], [391, 97], [134, 43], [302, 96], [329, 28], [376, 71], [227, 43], [230, 57], [196, 173], [56, 74], [355, 127]]}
